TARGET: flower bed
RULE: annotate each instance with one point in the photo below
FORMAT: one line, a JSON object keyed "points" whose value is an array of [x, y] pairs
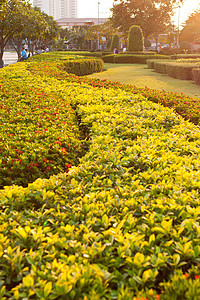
{"points": [[39, 130], [187, 107], [75, 64], [119, 224], [124, 222]]}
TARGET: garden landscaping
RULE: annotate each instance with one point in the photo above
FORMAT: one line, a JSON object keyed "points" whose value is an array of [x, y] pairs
{"points": [[114, 213]]}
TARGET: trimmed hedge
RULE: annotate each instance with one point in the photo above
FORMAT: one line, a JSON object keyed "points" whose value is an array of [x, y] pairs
{"points": [[177, 70], [131, 58], [121, 223], [82, 67], [179, 56], [109, 58], [196, 76], [150, 63], [181, 70], [160, 66], [124, 223], [60, 55]]}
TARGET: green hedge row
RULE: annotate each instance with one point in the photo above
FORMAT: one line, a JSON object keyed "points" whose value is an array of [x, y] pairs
{"points": [[74, 64], [121, 223], [179, 56], [179, 70], [131, 58], [196, 76], [82, 67]]}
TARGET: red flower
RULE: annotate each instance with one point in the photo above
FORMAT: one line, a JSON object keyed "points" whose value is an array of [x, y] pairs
{"points": [[68, 166], [186, 276]]}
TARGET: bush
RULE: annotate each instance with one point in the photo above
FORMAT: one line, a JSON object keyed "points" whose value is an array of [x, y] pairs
{"points": [[135, 39], [109, 58], [124, 220], [131, 58], [108, 52], [196, 76], [179, 70], [114, 42], [182, 71], [150, 63], [147, 43], [160, 66], [183, 56], [82, 67], [123, 223], [184, 45]]}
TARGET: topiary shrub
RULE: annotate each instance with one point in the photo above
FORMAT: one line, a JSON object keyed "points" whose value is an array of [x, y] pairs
{"points": [[135, 39], [114, 42]]}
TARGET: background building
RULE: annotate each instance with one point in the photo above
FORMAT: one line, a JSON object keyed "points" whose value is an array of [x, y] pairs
{"points": [[58, 8], [80, 22]]}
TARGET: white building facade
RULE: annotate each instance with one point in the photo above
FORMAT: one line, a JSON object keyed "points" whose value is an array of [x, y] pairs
{"points": [[58, 8]]}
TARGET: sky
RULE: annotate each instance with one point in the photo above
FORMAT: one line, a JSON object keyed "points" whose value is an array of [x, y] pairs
{"points": [[90, 8]]}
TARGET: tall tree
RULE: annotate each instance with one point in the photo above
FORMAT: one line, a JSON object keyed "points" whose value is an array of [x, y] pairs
{"points": [[33, 25], [191, 28], [50, 31], [97, 32], [13, 14], [153, 16]]}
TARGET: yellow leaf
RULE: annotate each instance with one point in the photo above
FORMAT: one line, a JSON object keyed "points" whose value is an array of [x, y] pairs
{"points": [[28, 281]]}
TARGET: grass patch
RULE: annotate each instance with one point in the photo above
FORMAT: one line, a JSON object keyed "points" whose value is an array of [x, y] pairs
{"points": [[140, 76]]}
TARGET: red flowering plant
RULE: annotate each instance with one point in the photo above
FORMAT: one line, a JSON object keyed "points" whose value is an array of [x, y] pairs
{"points": [[39, 133], [187, 107]]}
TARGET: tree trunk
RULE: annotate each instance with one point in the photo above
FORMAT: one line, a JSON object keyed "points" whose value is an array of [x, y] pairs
{"points": [[1, 56]]}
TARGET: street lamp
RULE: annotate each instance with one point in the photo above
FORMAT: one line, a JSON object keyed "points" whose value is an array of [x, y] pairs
{"points": [[98, 24], [178, 37], [98, 12]]}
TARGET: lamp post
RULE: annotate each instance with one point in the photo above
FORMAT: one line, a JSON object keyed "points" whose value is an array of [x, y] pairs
{"points": [[178, 37], [98, 25]]}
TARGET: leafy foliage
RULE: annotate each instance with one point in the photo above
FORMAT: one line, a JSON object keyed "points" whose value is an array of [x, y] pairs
{"points": [[151, 15], [124, 223], [191, 31]]}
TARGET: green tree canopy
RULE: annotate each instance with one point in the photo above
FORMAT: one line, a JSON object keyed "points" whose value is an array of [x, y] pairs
{"points": [[191, 28], [13, 14], [151, 15]]}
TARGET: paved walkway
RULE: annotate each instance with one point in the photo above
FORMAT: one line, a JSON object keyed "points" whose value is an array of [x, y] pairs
{"points": [[9, 58]]}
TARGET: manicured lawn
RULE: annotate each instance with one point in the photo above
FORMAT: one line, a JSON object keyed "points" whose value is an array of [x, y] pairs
{"points": [[141, 76]]}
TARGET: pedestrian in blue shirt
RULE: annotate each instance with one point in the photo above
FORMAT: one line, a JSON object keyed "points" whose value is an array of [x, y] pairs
{"points": [[24, 55]]}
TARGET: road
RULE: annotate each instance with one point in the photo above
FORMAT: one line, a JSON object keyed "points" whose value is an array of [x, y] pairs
{"points": [[9, 58]]}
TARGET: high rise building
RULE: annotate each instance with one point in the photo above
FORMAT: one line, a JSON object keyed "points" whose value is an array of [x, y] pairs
{"points": [[58, 8]]}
